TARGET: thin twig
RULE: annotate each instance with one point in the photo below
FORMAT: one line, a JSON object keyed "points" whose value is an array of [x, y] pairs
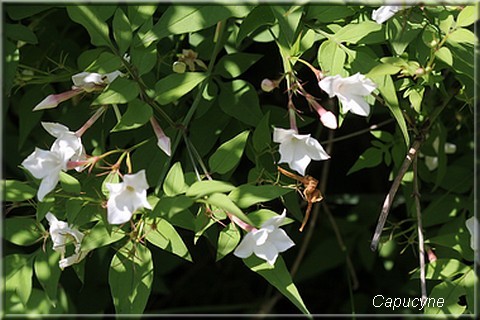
{"points": [[357, 133], [421, 246], [387, 204]]}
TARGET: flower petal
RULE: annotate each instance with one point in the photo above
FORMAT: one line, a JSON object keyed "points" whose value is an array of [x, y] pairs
{"points": [[267, 252], [245, 247], [117, 213], [47, 185], [138, 181], [281, 240], [280, 135]]}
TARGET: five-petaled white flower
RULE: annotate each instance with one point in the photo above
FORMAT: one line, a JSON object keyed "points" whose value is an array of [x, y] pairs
{"points": [[350, 91], [297, 150], [384, 13], [67, 142], [432, 161], [472, 224], [82, 82], [62, 234], [127, 197], [266, 242]]}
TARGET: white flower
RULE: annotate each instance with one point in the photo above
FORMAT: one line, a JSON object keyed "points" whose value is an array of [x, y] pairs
{"points": [[384, 13], [127, 197], [298, 149], [266, 242], [350, 91], [67, 142], [472, 224], [45, 165], [62, 234], [89, 80], [329, 120]]}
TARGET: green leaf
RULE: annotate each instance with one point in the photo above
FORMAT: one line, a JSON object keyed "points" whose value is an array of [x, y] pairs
{"points": [[232, 65], [18, 275], [261, 216], [17, 191], [372, 157], [228, 239], [176, 85], [163, 235], [23, 231], [144, 59], [400, 35], [247, 195], [138, 113], [462, 35], [389, 93], [324, 13], [450, 293], [228, 154], [174, 210], [289, 20], [44, 207], [202, 188], [69, 183], [467, 16], [239, 99], [261, 15], [178, 19], [442, 269], [221, 201], [112, 177], [120, 91], [12, 57], [22, 12], [445, 55], [262, 137], [354, 32], [92, 18], [19, 32], [174, 183], [331, 58], [103, 62], [442, 209], [279, 277], [48, 272], [100, 236], [382, 70], [130, 278], [139, 14], [122, 31]]}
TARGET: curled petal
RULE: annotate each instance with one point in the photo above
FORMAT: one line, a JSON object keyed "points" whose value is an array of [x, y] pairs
{"points": [[47, 185], [281, 240], [329, 120], [267, 252]]}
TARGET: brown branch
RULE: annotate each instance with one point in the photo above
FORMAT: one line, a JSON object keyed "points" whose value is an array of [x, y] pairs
{"points": [[421, 244], [387, 204]]}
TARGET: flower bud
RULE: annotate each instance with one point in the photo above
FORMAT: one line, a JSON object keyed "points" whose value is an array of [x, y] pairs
{"points": [[329, 120], [268, 85], [179, 67]]}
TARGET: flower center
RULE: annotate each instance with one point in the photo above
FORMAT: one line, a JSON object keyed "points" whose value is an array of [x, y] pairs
{"points": [[130, 188]]}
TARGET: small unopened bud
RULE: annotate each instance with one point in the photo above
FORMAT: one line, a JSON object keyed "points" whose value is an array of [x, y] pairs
{"points": [[420, 71], [329, 120], [179, 67], [268, 85], [450, 148]]}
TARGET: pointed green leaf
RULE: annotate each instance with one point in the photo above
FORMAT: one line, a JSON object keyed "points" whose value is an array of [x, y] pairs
{"points": [[372, 157], [176, 85], [69, 183], [138, 113], [162, 234], [467, 16], [18, 275], [48, 272], [228, 240], [279, 277], [99, 236], [93, 19], [122, 31], [221, 201], [174, 183], [23, 231], [233, 65], [206, 187], [228, 154], [120, 91], [262, 137], [331, 58], [239, 99], [247, 195], [130, 278]]}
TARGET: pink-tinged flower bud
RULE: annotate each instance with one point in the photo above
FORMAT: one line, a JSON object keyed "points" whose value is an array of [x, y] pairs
{"points": [[268, 85], [53, 100], [163, 141], [329, 120]]}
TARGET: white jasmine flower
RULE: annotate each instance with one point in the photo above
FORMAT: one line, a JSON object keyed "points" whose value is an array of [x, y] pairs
{"points": [[62, 234], [350, 91], [297, 150], [45, 165], [266, 242], [127, 197], [329, 120], [82, 82], [67, 142], [384, 13], [472, 224]]}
